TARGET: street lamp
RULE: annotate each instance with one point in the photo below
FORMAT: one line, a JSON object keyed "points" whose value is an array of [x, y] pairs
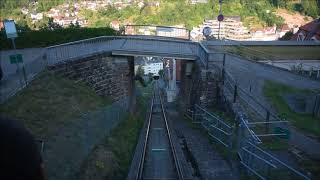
{"points": [[220, 17], [11, 33]]}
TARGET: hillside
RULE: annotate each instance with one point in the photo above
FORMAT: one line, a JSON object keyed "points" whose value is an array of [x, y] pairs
{"points": [[260, 13]]}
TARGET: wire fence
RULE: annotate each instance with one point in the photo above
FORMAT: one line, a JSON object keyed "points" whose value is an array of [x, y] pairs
{"points": [[64, 152], [264, 165], [18, 76], [310, 68], [263, 116]]}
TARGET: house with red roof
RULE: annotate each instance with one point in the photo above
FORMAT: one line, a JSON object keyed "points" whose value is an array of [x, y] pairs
{"points": [[308, 32]]}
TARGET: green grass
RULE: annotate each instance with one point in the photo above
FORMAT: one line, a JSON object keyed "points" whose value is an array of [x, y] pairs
{"points": [[307, 123], [112, 158], [274, 52], [44, 38], [227, 117], [49, 101], [311, 166], [275, 144]]}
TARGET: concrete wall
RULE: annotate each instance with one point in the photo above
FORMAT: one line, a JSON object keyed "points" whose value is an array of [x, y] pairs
{"points": [[107, 75]]}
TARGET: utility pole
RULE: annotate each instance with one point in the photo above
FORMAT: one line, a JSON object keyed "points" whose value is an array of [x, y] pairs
{"points": [[220, 2]]}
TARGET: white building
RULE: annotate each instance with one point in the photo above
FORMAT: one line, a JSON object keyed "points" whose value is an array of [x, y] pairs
{"points": [[153, 68], [37, 16], [149, 64]]}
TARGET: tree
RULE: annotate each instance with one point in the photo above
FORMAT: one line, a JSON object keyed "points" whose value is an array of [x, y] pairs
{"points": [[52, 25], [287, 36], [140, 71], [161, 72]]}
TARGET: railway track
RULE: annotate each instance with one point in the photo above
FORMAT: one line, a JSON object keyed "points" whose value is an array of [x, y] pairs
{"points": [[159, 160]]}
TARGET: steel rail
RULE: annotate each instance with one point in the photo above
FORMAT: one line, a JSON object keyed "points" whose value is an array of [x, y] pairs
{"points": [[173, 151], [141, 162]]}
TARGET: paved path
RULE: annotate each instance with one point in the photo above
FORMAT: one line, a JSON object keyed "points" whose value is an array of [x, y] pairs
{"points": [[248, 73]]}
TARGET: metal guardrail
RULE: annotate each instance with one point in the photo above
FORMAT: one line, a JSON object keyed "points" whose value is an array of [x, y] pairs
{"points": [[263, 164], [215, 126]]}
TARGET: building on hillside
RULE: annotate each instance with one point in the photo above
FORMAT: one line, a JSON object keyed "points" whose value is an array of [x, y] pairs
{"points": [[308, 32], [284, 29], [197, 1], [36, 16], [115, 24], [231, 27], [153, 65], [1, 25], [171, 32]]}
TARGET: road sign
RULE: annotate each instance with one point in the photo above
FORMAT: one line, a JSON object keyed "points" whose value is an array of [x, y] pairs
{"points": [[206, 31], [10, 29], [279, 130], [16, 58], [220, 17]]}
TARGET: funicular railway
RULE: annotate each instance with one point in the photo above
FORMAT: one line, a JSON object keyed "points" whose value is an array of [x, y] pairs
{"points": [[158, 160]]}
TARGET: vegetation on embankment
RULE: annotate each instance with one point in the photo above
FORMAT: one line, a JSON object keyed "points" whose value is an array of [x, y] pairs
{"points": [[112, 158], [273, 91], [49, 101], [274, 52], [46, 37]]}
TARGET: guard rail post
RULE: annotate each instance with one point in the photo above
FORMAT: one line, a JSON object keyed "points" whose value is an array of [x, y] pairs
{"points": [[267, 121], [235, 93]]}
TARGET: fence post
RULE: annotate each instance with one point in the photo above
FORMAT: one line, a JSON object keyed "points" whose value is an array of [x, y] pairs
{"points": [[223, 66], [267, 120], [235, 93]]}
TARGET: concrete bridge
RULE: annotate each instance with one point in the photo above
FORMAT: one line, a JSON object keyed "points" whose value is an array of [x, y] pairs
{"points": [[125, 46], [106, 64]]}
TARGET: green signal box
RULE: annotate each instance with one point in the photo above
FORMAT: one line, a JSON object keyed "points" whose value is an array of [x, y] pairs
{"points": [[16, 58]]}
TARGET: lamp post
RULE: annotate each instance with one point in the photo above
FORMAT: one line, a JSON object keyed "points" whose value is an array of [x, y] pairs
{"points": [[220, 18], [11, 33]]}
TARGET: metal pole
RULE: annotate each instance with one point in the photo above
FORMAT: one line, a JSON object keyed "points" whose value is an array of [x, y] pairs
{"points": [[223, 67], [267, 120], [219, 21], [235, 93], [18, 69]]}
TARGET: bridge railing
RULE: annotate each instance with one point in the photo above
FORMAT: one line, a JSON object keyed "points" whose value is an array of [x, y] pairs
{"points": [[88, 47]]}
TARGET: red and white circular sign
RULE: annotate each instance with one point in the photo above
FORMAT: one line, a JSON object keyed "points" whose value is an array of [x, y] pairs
{"points": [[220, 17]]}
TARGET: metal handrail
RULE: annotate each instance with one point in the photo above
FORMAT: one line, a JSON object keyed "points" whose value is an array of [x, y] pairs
{"points": [[210, 114], [122, 37], [279, 161]]}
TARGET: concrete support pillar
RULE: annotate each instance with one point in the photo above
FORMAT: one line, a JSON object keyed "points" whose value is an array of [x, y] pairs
{"points": [[131, 86]]}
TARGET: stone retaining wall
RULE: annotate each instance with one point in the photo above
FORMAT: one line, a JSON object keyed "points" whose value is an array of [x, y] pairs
{"points": [[107, 75]]}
